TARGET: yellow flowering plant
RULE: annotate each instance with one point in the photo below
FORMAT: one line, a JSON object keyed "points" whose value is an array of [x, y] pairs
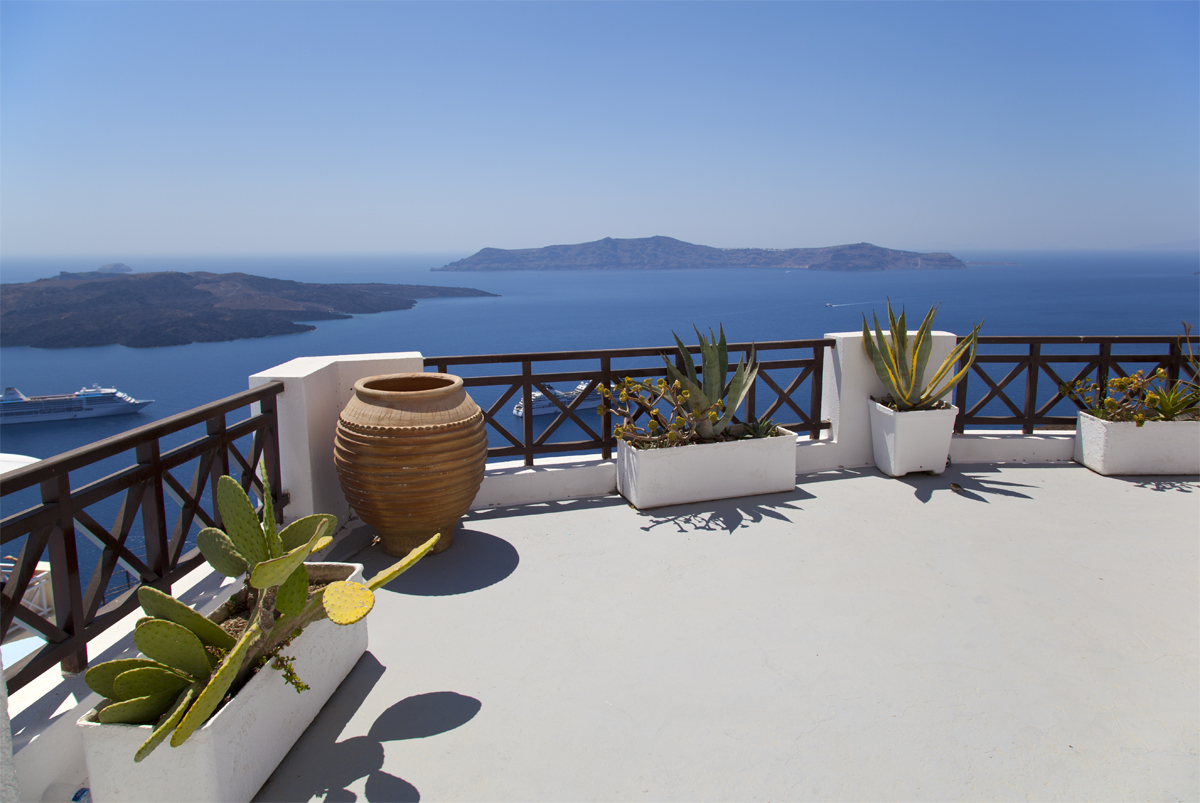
{"points": [[691, 408], [1140, 398]]}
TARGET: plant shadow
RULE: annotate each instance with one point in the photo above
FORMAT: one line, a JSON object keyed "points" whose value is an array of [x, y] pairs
{"points": [[724, 515], [973, 483], [474, 561], [1183, 484], [321, 765]]}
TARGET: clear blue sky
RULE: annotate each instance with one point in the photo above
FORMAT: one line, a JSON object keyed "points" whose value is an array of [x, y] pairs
{"points": [[156, 128]]}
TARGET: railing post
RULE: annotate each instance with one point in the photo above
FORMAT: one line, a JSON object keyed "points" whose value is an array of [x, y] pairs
{"points": [[1031, 382], [1176, 357], [818, 391], [64, 569], [1103, 361], [606, 420], [960, 395], [270, 453], [154, 513], [220, 464], [527, 409]]}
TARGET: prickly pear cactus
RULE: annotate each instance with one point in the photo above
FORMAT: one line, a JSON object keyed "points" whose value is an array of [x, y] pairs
{"points": [[190, 663]]}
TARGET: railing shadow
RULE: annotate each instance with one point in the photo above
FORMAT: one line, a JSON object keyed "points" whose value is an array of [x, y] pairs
{"points": [[724, 515], [48, 709], [321, 765], [474, 561]]}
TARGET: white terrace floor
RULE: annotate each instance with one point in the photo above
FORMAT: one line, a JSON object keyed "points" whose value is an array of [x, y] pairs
{"points": [[858, 639]]}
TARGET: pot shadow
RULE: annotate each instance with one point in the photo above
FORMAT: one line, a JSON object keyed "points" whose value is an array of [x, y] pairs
{"points": [[321, 765], [724, 515], [474, 561], [971, 486]]}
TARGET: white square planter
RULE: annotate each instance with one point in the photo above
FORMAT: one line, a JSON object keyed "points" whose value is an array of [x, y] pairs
{"points": [[702, 472], [233, 754], [914, 440], [1122, 447]]}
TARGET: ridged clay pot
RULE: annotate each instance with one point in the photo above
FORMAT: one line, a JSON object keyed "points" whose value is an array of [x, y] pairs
{"points": [[410, 451]]}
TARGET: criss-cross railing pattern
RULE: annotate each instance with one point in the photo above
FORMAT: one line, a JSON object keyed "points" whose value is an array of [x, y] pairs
{"points": [[1034, 370], [775, 385], [80, 613]]}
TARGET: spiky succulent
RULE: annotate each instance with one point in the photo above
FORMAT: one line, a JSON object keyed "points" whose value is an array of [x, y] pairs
{"points": [[900, 365], [190, 663], [705, 396]]}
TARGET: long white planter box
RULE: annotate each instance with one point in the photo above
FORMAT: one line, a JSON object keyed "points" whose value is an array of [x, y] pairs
{"points": [[914, 440], [1122, 447], [702, 472], [233, 754]]}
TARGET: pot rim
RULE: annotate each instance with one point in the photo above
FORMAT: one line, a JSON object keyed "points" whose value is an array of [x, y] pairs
{"points": [[453, 385]]}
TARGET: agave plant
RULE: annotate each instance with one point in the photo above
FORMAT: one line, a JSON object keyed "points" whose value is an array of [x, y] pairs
{"points": [[900, 364], [692, 407], [190, 662], [705, 397]]}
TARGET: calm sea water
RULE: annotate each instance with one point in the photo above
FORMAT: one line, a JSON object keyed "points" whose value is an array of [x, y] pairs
{"points": [[1133, 293], [1136, 293]]}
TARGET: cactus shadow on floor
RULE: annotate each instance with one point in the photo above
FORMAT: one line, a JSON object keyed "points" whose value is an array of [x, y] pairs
{"points": [[322, 764]]}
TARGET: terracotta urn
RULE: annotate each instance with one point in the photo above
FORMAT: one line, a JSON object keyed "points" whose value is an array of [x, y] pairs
{"points": [[410, 451]]}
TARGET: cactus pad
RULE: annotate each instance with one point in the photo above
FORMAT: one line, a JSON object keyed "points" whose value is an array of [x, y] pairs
{"points": [[293, 593], [168, 721], [164, 606], [346, 602], [401, 566], [146, 681], [275, 571], [100, 678], [301, 531], [138, 711], [241, 521], [173, 645], [220, 553], [218, 684]]}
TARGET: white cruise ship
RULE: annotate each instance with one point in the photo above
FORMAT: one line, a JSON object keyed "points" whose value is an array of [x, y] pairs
{"points": [[17, 408], [543, 406]]}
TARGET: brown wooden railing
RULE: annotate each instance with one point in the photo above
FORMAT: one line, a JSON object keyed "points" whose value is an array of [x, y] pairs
{"points": [[771, 396], [1034, 368], [80, 614]]}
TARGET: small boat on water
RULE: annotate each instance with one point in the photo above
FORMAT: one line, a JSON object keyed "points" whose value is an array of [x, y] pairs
{"points": [[544, 406], [17, 408]]}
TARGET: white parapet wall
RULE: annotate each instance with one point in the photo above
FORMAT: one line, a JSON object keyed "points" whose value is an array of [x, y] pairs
{"points": [[317, 388]]}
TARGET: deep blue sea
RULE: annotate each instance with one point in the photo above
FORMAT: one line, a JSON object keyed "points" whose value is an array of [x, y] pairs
{"points": [[1062, 293], [1092, 293]]}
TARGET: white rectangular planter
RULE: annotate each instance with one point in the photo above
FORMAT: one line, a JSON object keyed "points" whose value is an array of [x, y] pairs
{"points": [[914, 440], [233, 754], [1122, 447], [702, 472]]}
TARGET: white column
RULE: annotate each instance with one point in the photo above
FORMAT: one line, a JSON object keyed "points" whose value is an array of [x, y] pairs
{"points": [[849, 382], [317, 388]]}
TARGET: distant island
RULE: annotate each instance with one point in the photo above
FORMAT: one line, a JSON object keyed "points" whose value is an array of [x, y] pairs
{"points": [[666, 253], [140, 310]]}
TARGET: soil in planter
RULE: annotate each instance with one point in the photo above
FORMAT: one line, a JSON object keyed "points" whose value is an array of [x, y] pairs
{"points": [[238, 612]]}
